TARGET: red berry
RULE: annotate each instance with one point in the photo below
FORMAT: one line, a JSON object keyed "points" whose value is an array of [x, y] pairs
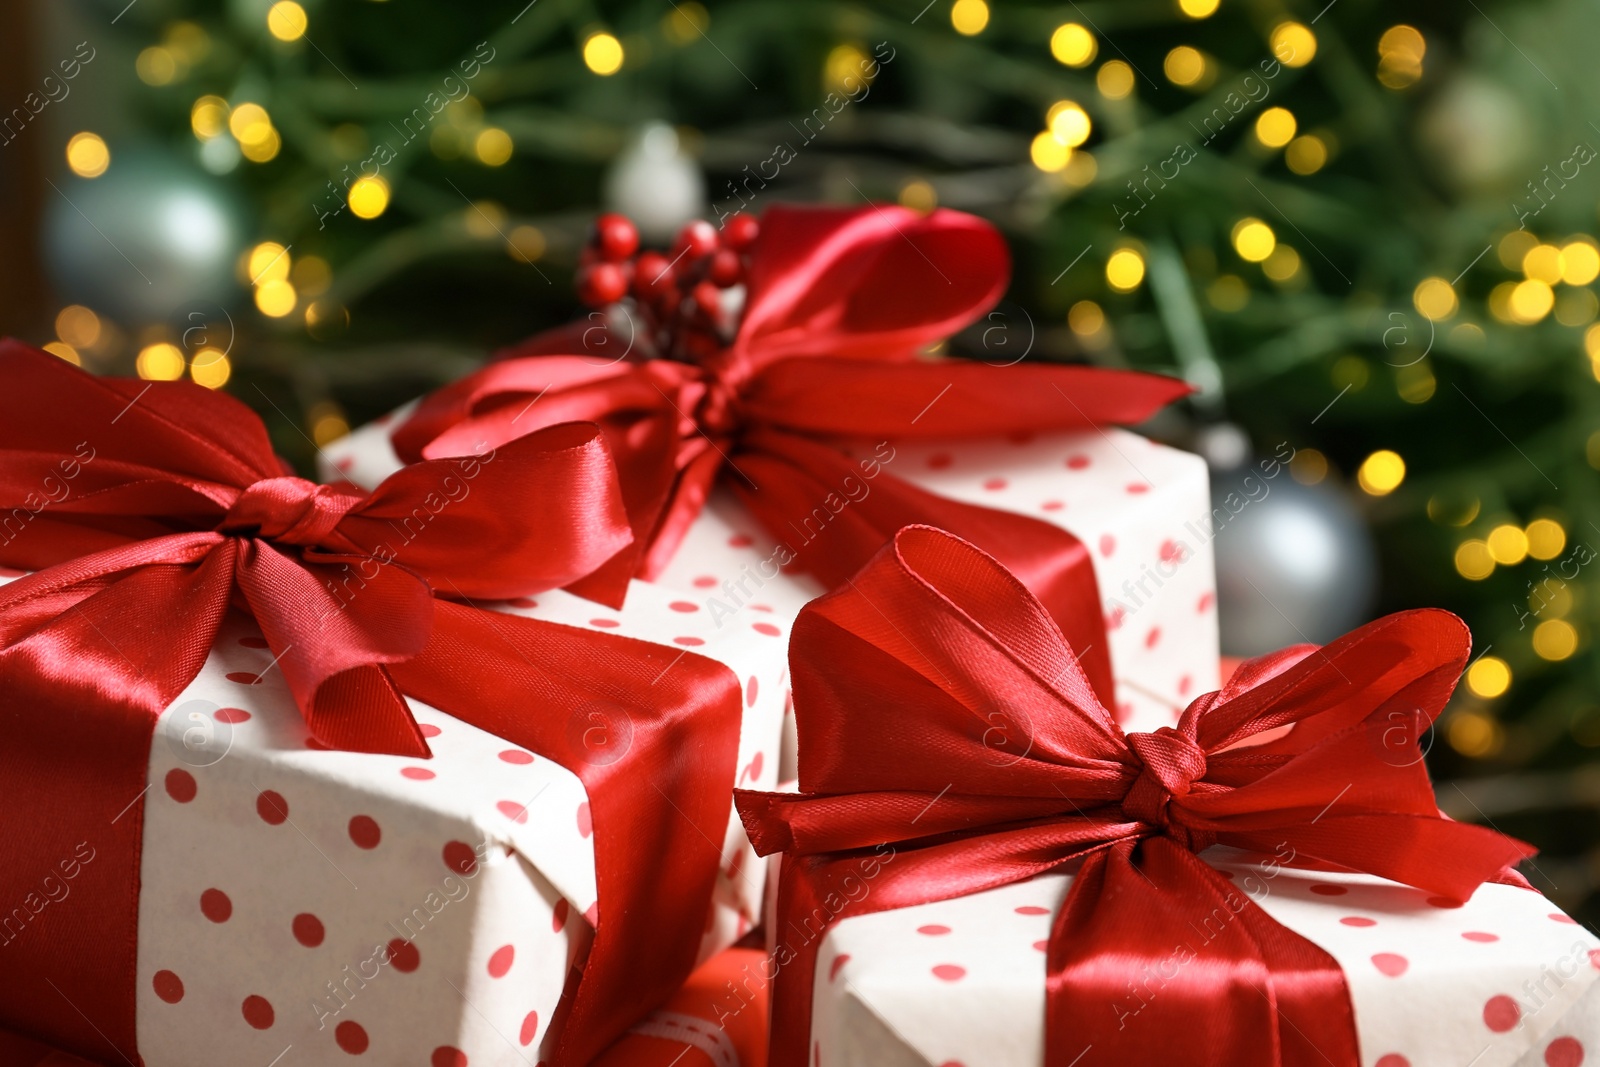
{"points": [[707, 301], [652, 273], [602, 284], [615, 236], [699, 237], [740, 231], [726, 268]]}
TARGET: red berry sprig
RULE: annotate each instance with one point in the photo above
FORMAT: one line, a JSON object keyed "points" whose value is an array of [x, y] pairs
{"points": [[678, 295]]}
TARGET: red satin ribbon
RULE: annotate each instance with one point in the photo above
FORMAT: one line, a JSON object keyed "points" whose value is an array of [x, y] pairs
{"points": [[151, 508], [950, 743], [839, 305]]}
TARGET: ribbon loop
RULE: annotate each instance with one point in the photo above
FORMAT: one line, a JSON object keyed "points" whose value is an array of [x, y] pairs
{"points": [[288, 510]]}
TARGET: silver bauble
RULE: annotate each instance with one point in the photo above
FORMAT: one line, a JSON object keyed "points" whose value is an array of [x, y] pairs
{"points": [[656, 184], [1295, 563], [150, 239]]}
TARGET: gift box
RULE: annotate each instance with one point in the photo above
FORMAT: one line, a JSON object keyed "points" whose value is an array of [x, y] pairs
{"points": [[1141, 508], [241, 825], [1268, 882], [789, 364]]}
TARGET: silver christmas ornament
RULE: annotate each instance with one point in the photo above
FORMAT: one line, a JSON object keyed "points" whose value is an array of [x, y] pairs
{"points": [[149, 239], [1295, 563], [656, 184]]}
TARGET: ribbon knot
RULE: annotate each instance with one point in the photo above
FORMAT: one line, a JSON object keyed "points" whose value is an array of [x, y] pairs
{"points": [[1172, 763], [718, 414], [289, 510]]}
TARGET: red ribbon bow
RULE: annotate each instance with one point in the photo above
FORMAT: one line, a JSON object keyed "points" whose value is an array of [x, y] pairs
{"points": [[148, 509], [840, 305], [942, 716]]}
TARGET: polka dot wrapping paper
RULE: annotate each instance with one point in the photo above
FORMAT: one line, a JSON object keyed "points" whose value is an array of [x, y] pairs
{"points": [[309, 906], [1502, 979]]}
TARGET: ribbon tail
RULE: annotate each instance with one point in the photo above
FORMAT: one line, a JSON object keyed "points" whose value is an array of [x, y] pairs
{"points": [[78, 715], [653, 733], [1155, 958], [834, 513]]}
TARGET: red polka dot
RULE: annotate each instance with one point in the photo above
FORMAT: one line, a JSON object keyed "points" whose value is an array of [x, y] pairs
{"points": [[272, 808], [257, 1012], [500, 961], [364, 831], [215, 905], [1480, 936], [1560, 918], [1108, 544], [244, 678], [427, 729], [949, 972], [751, 689], [1358, 920], [231, 715], [705, 581], [688, 642], [517, 756], [1322, 889], [1392, 1059], [416, 774], [559, 918], [933, 930], [741, 541], [1391, 964], [307, 929], [838, 962], [446, 1056], [351, 1037], [180, 785], [1501, 1013], [1203, 605], [1115, 617], [1042, 946], [684, 606], [1077, 463], [1444, 902], [940, 460], [1052, 505], [530, 1028], [605, 624], [459, 857], [523, 602], [1032, 909], [585, 821], [1594, 958], [512, 810], [1153, 637], [168, 986], [1563, 1052], [995, 484], [1172, 552], [1185, 683], [403, 955], [1135, 488], [253, 642], [766, 628]]}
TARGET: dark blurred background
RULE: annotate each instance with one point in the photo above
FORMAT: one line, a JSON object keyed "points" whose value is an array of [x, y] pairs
{"points": [[1364, 230]]}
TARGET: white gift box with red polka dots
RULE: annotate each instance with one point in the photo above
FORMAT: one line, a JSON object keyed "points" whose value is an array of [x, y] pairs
{"points": [[1142, 508], [306, 906], [1504, 979]]}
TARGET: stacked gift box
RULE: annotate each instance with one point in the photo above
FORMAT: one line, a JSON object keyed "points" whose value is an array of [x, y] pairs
{"points": [[736, 618]]}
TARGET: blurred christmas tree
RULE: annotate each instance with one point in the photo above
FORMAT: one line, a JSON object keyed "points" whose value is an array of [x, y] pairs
{"points": [[1360, 229]]}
